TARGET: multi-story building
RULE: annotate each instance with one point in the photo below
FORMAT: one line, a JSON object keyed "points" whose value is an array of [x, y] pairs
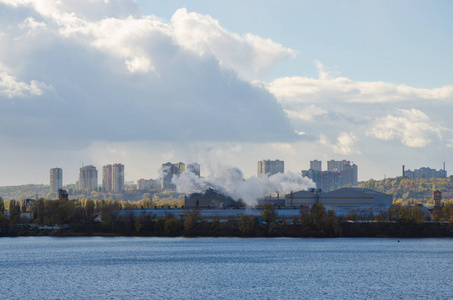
{"points": [[337, 165], [107, 178], [270, 167], [118, 178], [316, 165], [348, 171], [113, 178], [143, 184], [88, 177], [350, 175], [56, 180], [338, 174], [324, 180], [425, 173], [168, 171], [194, 168]]}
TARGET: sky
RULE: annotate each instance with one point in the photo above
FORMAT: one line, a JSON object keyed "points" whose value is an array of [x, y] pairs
{"points": [[223, 83]]}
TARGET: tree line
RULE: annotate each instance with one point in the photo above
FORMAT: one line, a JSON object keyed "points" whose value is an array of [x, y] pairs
{"points": [[102, 217], [405, 190]]}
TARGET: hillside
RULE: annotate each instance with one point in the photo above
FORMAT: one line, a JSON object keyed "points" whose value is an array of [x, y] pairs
{"points": [[412, 190]]}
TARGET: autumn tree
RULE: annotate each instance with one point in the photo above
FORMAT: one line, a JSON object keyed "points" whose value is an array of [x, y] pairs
{"points": [[268, 213], [246, 224], [191, 219]]}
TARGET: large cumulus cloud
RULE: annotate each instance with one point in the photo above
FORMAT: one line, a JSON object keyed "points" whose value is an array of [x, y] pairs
{"points": [[332, 105], [70, 72]]}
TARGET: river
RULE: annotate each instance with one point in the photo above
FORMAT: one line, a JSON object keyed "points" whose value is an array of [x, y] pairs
{"points": [[225, 268]]}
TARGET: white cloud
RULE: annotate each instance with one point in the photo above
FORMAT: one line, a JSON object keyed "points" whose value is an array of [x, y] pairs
{"points": [[284, 148], [345, 143], [11, 88], [307, 114], [129, 37], [248, 55], [31, 24], [328, 87], [136, 73], [413, 127]]}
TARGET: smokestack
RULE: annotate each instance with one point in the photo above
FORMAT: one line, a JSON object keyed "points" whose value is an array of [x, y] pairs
{"points": [[403, 171]]}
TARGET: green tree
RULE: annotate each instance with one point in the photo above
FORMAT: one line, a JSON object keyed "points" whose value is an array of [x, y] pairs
{"points": [[318, 216], [171, 227], [246, 225], [268, 213], [191, 219], [138, 226], [2, 206], [304, 215]]}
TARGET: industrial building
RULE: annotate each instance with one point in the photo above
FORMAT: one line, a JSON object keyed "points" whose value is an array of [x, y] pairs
{"points": [[209, 199], [344, 199]]}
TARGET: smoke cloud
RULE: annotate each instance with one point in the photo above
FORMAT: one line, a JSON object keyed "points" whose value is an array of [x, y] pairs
{"points": [[230, 181]]}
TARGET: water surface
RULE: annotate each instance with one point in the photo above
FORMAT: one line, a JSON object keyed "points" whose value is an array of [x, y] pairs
{"points": [[225, 268]]}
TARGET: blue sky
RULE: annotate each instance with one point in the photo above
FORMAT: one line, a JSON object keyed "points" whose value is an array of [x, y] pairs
{"points": [[406, 42], [223, 83]]}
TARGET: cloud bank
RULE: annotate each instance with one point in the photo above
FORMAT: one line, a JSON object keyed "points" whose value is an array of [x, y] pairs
{"points": [[126, 76]]}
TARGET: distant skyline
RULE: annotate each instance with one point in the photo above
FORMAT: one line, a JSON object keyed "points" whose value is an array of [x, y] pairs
{"points": [[223, 83]]}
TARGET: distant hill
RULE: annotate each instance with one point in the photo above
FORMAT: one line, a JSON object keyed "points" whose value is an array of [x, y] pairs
{"points": [[412, 190], [20, 192], [29, 191]]}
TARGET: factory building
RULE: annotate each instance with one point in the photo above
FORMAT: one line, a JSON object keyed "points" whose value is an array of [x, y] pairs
{"points": [[341, 199], [209, 199]]}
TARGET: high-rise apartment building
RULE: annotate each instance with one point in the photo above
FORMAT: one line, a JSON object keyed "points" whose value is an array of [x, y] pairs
{"points": [[113, 178], [118, 178], [338, 174], [107, 178], [316, 165], [270, 167], [349, 172], [88, 177], [337, 165], [425, 173], [168, 171], [194, 168], [56, 180]]}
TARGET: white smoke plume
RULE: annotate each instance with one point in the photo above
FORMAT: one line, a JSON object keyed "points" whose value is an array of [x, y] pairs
{"points": [[231, 182]]}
